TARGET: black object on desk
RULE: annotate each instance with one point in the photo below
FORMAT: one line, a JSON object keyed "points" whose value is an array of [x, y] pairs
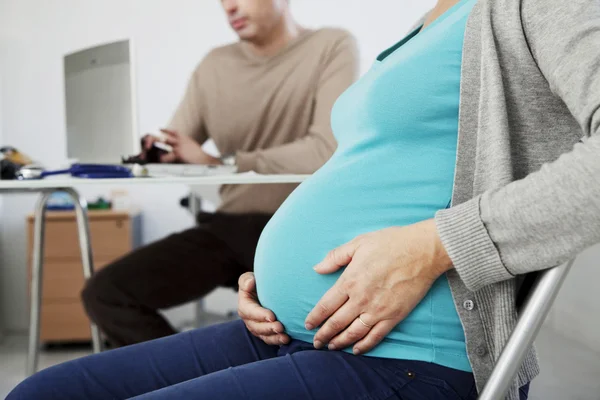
{"points": [[151, 156], [11, 160]]}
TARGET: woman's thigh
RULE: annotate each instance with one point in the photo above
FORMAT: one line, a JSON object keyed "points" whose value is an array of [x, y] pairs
{"points": [[322, 375], [146, 367]]}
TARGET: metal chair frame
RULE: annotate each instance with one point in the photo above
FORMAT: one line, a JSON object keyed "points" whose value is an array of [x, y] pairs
{"points": [[531, 318]]}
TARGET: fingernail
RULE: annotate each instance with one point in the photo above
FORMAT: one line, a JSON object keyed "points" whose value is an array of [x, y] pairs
{"points": [[318, 344], [309, 327], [331, 346], [356, 351], [269, 319], [282, 341]]}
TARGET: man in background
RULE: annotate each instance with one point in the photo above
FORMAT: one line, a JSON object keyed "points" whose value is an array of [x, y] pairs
{"points": [[266, 102]]}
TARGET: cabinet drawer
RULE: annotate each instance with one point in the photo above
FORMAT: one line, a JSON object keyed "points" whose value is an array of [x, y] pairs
{"points": [[109, 238], [64, 280], [64, 322]]}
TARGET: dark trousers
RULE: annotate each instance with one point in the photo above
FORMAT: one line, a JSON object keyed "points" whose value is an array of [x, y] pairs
{"points": [[226, 362], [124, 297]]}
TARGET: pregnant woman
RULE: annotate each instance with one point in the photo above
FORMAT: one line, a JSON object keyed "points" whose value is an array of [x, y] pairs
{"points": [[417, 233]]}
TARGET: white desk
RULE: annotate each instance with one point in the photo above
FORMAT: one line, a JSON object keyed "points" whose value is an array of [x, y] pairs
{"points": [[51, 185]]}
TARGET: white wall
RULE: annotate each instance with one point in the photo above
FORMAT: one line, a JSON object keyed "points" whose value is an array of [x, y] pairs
{"points": [[576, 312]]}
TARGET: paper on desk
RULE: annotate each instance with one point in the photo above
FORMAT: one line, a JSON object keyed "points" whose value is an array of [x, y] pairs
{"points": [[186, 170]]}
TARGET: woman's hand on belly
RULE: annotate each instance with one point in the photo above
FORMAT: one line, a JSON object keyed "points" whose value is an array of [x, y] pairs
{"points": [[388, 273], [259, 321]]}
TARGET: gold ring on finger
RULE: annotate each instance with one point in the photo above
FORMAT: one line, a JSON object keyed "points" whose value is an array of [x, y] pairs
{"points": [[364, 323]]}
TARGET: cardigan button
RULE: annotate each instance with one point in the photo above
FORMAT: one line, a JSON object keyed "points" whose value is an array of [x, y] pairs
{"points": [[469, 305], [481, 351]]}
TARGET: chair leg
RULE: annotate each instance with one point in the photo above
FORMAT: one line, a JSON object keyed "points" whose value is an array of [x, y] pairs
{"points": [[531, 318]]}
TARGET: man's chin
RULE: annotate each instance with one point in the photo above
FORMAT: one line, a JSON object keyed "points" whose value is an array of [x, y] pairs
{"points": [[246, 35]]}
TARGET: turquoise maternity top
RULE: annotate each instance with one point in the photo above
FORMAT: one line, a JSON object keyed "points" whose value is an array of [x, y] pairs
{"points": [[397, 131]]}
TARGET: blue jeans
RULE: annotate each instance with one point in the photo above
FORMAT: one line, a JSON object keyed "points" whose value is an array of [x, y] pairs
{"points": [[227, 362]]}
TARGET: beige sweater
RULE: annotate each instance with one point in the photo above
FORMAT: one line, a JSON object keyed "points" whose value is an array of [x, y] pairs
{"points": [[273, 113]]}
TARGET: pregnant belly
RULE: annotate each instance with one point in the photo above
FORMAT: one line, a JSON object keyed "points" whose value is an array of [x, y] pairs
{"points": [[290, 246], [325, 212]]}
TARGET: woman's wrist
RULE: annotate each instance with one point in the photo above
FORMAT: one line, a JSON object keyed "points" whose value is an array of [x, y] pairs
{"points": [[442, 258]]}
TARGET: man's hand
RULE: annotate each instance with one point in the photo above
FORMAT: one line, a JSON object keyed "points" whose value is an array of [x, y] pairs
{"points": [[148, 141], [259, 321], [187, 150], [388, 273]]}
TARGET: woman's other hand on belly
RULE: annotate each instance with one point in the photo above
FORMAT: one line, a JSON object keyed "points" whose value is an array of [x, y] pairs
{"points": [[259, 321], [388, 273]]}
